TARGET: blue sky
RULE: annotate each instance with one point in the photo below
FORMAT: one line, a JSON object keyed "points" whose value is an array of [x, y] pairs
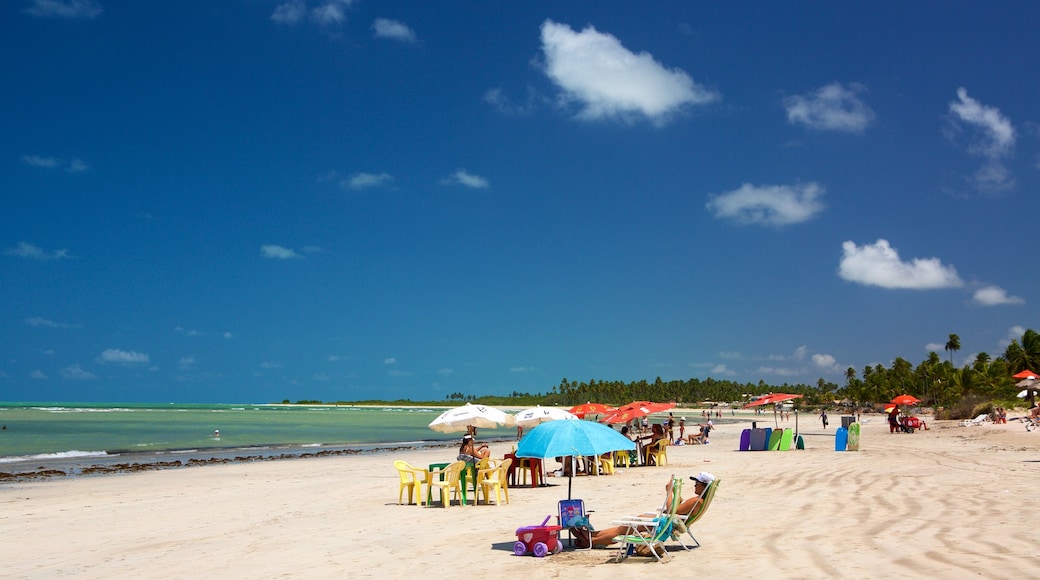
{"points": [[252, 200]]}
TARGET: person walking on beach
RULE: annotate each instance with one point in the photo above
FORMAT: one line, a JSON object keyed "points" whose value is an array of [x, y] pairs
{"points": [[823, 417]]}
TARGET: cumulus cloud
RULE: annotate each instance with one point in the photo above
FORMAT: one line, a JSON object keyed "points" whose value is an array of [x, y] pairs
{"points": [[775, 205], [368, 180], [114, 355], [879, 264], [824, 361], [994, 296], [993, 139], [393, 30], [275, 252], [77, 373], [466, 179], [608, 80], [67, 9], [831, 108], [34, 252]]}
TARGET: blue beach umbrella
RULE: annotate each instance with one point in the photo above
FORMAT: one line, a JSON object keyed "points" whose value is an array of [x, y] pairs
{"points": [[572, 438]]}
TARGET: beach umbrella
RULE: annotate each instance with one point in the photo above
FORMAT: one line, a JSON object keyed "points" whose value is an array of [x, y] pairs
{"points": [[459, 418], [771, 399], [572, 439], [539, 414], [1031, 386], [636, 410], [907, 400], [1026, 374], [591, 408]]}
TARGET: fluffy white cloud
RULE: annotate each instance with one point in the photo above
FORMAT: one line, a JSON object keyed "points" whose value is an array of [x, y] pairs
{"points": [[824, 361], [995, 296], [776, 205], [879, 264], [394, 30], [114, 355], [610, 81], [33, 252], [994, 139], [275, 252], [38, 321], [831, 108], [68, 9], [368, 180], [467, 179], [390, 361]]}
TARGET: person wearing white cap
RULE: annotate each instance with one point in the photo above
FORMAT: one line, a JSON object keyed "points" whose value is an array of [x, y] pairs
{"points": [[701, 482]]}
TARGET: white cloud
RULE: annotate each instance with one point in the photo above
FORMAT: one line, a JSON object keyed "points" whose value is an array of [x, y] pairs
{"points": [[186, 362], [445, 371], [935, 347], [274, 252], [467, 179], [779, 371], [68, 9], [38, 375], [879, 264], [831, 108], [399, 373], [76, 165], [228, 335], [325, 13], [321, 377], [610, 81], [994, 139], [776, 205], [499, 101], [368, 180], [824, 361], [394, 30], [521, 369], [390, 361], [33, 252], [114, 355], [995, 296], [76, 372], [722, 370], [38, 321], [270, 365]]}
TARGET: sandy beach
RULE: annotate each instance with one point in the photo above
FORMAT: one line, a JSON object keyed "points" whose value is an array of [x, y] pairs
{"points": [[952, 501]]}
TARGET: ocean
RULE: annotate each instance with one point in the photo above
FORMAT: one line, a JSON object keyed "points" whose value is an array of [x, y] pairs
{"points": [[75, 437]]}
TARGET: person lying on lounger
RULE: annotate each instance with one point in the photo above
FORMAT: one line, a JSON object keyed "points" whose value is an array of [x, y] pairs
{"points": [[605, 537]]}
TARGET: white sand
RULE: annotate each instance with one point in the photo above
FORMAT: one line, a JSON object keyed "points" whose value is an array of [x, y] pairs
{"points": [[954, 502]]}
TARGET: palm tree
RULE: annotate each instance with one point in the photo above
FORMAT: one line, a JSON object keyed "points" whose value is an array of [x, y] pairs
{"points": [[953, 345]]}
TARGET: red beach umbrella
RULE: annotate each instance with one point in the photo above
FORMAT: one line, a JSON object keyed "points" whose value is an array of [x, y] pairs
{"points": [[905, 400], [1024, 374], [635, 410], [591, 408], [772, 398]]}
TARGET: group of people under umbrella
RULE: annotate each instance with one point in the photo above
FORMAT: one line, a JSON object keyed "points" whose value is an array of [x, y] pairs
{"points": [[554, 432]]}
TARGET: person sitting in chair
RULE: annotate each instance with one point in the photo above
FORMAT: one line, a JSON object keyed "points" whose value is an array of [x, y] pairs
{"points": [[469, 452], [605, 537]]}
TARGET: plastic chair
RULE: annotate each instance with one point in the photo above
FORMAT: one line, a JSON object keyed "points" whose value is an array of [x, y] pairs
{"points": [[446, 481], [412, 479], [527, 465], [623, 459], [495, 479], [698, 513], [658, 452], [606, 464], [574, 516]]}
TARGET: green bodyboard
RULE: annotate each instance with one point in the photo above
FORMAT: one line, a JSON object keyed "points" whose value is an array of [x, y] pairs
{"points": [[786, 439], [800, 444], [774, 440], [853, 437]]}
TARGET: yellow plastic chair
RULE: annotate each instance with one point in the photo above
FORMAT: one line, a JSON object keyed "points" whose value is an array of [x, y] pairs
{"points": [[412, 479], [623, 459], [447, 480], [659, 452], [606, 464], [495, 479]]}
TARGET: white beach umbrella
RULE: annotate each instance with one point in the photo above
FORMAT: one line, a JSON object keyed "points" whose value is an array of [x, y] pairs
{"points": [[457, 419], [540, 414]]}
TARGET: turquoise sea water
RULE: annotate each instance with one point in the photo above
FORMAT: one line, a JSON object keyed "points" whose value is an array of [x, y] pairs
{"points": [[63, 434]]}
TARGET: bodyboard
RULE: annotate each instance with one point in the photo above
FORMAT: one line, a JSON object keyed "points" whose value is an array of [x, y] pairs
{"points": [[853, 437], [774, 440], [841, 439], [758, 439], [786, 439], [745, 440], [800, 444]]}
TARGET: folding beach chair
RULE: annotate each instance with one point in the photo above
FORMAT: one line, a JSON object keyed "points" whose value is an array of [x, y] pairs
{"points": [[698, 512], [649, 532], [574, 516]]}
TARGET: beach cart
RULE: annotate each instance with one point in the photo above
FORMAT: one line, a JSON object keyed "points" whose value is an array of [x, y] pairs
{"points": [[539, 540]]}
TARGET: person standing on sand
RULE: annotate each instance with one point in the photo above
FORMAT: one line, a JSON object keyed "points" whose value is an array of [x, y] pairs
{"points": [[823, 417]]}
